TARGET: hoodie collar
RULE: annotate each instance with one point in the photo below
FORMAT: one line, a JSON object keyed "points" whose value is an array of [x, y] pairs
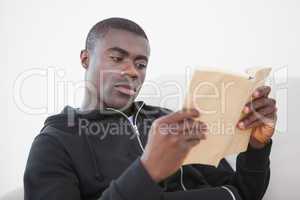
{"points": [[97, 114]]}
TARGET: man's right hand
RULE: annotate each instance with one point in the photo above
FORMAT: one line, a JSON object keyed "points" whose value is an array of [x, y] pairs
{"points": [[170, 139]]}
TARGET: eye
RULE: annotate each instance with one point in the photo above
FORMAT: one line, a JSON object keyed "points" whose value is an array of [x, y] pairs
{"points": [[116, 58], [141, 65]]}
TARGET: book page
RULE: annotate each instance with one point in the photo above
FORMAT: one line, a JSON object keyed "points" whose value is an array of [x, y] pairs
{"points": [[220, 97]]}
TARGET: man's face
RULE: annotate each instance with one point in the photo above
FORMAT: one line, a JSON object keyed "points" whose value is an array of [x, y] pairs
{"points": [[117, 67]]}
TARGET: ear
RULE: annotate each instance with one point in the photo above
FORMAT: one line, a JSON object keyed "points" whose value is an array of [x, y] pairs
{"points": [[84, 57]]}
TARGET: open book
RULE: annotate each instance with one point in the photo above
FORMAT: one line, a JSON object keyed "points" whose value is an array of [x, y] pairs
{"points": [[220, 97]]}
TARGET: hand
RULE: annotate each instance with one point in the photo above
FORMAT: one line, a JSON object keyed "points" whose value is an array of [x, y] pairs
{"points": [[170, 139], [260, 115]]}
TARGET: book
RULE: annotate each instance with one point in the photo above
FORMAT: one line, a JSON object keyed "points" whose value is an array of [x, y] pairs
{"points": [[220, 98]]}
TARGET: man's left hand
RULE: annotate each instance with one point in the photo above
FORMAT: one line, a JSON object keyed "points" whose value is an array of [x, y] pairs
{"points": [[260, 116]]}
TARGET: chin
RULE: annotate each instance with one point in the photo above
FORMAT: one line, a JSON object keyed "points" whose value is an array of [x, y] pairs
{"points": [[120, 103]]}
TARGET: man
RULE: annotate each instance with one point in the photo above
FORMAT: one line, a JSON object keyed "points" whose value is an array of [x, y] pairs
{"points": [[113, 148]]}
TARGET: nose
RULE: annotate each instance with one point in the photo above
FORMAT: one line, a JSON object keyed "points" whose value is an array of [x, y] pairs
{"points": [[130, 70]]}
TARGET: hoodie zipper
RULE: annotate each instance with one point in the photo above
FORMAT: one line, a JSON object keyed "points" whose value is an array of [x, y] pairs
{"points": [[133, 124]]}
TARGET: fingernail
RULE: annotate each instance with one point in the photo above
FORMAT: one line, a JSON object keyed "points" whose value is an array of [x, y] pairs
{"points": [[195, 111], [241, 125], [256, 94], [246, 109]]}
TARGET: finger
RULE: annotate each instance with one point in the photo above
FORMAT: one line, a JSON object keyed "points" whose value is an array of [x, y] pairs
{"points": [[259, 115], [193, 143], [180, 127], [262, 91], [176, 128], [192, 125], [268, 119], [180, 115], [185, 128], [195, 133], [194, 136], [186, 146], [258, 103]]}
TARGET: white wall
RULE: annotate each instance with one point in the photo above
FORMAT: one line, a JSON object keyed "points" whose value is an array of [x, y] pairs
{"points": [[229, 34]]}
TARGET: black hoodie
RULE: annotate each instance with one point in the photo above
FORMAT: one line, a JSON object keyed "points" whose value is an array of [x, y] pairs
{"points": [[96, 155]]}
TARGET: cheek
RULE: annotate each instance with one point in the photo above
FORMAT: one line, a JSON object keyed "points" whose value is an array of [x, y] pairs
{"points": [[107, 82], [142, 77], [102, 83]]}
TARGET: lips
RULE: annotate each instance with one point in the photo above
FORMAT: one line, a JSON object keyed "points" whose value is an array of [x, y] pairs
{"points": [[125, 89]]}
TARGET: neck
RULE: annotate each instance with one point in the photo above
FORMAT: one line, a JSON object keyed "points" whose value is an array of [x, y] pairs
{"points": [[92, 102]]}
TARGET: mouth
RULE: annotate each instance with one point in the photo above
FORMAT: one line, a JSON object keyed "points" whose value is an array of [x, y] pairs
{"points": [[126, 89]]}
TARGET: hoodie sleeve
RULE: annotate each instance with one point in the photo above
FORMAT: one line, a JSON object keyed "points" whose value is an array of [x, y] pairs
{"points": [[251, 177], [49, 175], [134, 184]]}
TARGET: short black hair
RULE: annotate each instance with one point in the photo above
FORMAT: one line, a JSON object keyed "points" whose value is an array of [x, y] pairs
{"points": [[102, 27]]}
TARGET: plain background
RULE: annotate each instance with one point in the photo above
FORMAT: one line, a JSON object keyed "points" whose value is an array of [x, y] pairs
{"points": [[46, 37]]}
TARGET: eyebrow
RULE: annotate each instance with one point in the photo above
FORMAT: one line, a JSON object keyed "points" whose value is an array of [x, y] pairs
{"points": [[126, 53]]}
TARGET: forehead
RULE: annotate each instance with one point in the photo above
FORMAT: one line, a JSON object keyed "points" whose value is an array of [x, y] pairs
{"points": [[131, 42]]}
